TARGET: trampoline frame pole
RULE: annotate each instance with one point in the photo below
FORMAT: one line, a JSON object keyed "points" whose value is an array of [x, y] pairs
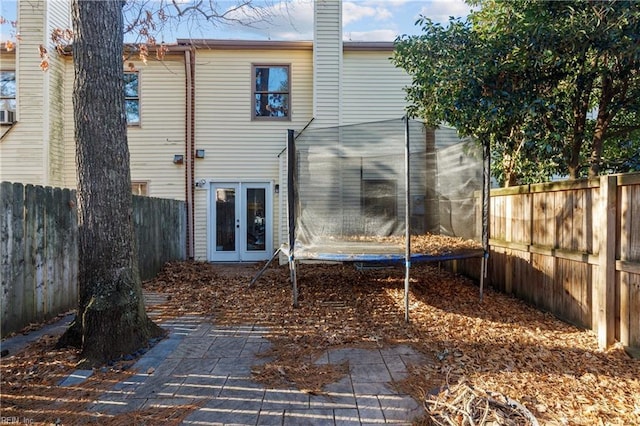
{"points": [[486, 205], [407, 218], [291, 166]]}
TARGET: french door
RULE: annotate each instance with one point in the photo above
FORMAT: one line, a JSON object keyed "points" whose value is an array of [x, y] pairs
{"points": [[240, 221]]}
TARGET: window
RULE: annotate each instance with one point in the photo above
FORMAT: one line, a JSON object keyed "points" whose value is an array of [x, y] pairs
{"points": [[8, 90], [140, 187], [132, 98], [270, 92], [379, 198]]}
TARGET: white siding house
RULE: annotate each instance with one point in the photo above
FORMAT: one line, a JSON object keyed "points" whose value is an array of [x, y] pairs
{"points": [[212, 121], [33, 151]]}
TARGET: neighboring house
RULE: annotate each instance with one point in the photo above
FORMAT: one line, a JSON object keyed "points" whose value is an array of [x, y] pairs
{"points": [[207, 124]]}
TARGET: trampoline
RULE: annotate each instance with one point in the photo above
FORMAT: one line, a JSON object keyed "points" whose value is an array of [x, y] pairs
{"points": [[360, 193]]}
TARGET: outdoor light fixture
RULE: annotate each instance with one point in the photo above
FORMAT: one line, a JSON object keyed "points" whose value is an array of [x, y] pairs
{"points": [[276, 189], [178, 159], [199, 153]]}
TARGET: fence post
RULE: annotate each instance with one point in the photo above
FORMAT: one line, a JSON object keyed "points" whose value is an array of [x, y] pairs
{"points": [[604, 293]]}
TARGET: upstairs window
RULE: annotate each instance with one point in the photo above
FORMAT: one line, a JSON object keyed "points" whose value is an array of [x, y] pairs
{"points": [[270, 92], [8, 90], [132, 98]]}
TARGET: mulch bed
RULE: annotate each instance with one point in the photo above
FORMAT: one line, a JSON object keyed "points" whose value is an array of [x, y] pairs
{"points": [[501, 349]]}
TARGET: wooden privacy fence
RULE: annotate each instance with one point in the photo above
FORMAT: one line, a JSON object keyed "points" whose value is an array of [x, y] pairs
{"points": [[39, 248], [573, 249], [160, 225]]}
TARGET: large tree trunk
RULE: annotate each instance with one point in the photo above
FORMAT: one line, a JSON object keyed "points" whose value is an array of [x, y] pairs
{"points": [[111, 319]]}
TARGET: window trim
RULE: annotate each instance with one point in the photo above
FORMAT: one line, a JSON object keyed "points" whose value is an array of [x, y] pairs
{"points": [[254, 117], [135, 98], [140, 184]]}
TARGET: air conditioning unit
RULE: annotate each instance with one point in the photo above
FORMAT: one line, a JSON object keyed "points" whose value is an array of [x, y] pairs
{"points": [[6, 116]]}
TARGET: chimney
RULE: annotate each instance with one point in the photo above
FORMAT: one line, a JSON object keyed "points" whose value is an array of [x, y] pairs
{"points": [[327, 62]]}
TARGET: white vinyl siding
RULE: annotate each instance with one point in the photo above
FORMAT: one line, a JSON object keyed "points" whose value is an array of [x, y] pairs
{"points": [[238, 148], [372, 87], [23, 154], [327, 63], [33, 152], [58, 16], [161, 133]]}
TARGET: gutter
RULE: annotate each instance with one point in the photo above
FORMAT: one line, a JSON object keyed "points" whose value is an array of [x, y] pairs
{"points": [[224, 44], [189, 64]]}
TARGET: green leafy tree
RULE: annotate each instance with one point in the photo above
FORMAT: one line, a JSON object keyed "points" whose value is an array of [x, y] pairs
{"points": [[622, 147], [526, 75]]}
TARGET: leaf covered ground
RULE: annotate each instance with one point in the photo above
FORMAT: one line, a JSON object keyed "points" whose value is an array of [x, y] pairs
{"points": [[499, 345]]}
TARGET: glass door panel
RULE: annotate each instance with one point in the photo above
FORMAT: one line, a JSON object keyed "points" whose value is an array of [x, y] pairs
{"points": [[255, 214], [225, 219], [224, 222], [257, 221]]}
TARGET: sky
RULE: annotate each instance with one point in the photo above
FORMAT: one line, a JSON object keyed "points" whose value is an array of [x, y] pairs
{"points": [[363, 20]]}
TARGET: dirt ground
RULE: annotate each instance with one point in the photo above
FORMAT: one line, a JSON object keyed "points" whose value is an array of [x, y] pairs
{"points": [[499, 345]]}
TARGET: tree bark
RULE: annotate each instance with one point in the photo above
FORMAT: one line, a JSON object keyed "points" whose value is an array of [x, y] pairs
{"points": [[111, 319], [580, 108], [605, 115]]}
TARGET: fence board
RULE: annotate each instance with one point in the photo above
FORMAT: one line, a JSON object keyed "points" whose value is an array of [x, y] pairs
{"points": [[634, 310], [18, 269], [522, 282], [623, 297], [495, 270], [30, 223], [564, 201], [38, 255], [541, 233], [578, 228], [632, 237], [50, 250], [7, 244], [498, 217], [16, 275], [70, 246], [542, 276], [588, 222], [604, 288]]}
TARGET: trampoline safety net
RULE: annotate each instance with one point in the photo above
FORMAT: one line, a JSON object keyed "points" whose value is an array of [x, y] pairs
{"points": [[349, 189]]}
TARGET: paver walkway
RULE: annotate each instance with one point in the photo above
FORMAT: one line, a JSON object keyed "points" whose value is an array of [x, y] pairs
{"points": [[210, 365]]}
